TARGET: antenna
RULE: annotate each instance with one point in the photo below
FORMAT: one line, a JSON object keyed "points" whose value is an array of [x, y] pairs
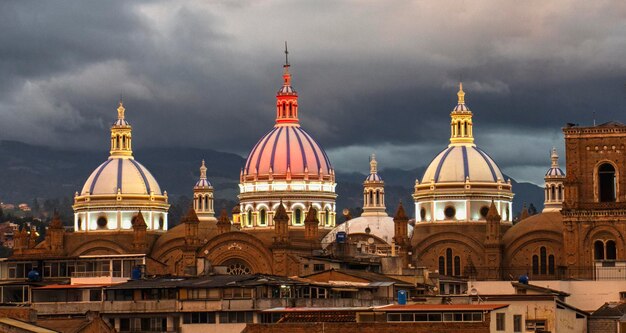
{"points": [[594, 117]]}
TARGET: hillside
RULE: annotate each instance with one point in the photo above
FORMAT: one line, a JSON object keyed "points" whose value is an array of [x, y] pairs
{"points": [[28, 172]]}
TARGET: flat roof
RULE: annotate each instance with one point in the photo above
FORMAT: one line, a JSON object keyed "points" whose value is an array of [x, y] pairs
{"points": [[440, 307], [308, 309], [71, 286]]}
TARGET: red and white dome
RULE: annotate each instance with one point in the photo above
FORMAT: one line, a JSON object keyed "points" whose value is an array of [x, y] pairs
{"points": [[287, 151]]}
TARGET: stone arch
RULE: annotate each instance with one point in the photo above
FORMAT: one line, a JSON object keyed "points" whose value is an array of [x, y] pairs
{"points": [[518, 252], [604, 233], [99, 246], [238, 245], [467, 248]]}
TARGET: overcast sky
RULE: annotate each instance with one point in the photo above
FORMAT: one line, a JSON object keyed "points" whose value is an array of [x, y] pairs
{"points": [[373, 76]]}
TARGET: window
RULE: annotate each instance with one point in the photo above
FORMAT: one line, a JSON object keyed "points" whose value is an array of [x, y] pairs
{"points": [[606, 183], [199, 318], [158, 324], [235, 317], [95, 295], [297, 216], [442, 265], [423, 214], [102, 222], [232, 293], [500, 318], [262, 217], [543, 258], [598, 250], [449, 212], [449, 262], [249, 220], [326, 217], [551, 264], [318, 267], [457, 266], [535, 264], [484, 210], [611, 253], [535, 325], [517, 323]]}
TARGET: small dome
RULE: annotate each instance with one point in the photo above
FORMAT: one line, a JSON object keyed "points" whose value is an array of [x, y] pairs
{"points": [[373, 177], [203, 183], [121, 122], [456, 163], [544, 222], [287, 147], [125, 174], [555, 172], [286, 90]]}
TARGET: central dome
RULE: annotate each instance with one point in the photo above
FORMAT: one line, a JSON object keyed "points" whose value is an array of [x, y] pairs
{"points": [[460, 163], [287, 149], [125, 174]]}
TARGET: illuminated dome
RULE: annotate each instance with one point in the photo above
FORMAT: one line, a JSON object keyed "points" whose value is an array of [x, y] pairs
{"points": [[459, 163], [125, 174], [286, 164], [120, 188], [287, 151], [462, 180]]}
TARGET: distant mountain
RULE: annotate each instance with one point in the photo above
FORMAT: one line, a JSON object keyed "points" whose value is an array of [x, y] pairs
{"points": [[28, 172]]}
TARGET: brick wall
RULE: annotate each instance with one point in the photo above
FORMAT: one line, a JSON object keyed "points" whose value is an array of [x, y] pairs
{"points": [[19, 313], [602, 325]]}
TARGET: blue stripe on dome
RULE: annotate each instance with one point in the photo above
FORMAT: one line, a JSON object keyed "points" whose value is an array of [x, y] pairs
{"points": [[95, 179], [301, 149], [145, 179], [443, 159], [274, 148], [317, 159], [267, 138], [465, 163], [327, 160], [288, 150], [119, 174], [255, 148], [488, 160]]}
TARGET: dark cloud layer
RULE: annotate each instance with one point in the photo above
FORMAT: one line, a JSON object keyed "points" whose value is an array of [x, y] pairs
{"points": [[372, 76]]}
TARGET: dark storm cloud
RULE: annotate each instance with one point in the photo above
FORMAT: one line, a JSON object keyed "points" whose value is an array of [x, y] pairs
{"points": [[372, 77]]}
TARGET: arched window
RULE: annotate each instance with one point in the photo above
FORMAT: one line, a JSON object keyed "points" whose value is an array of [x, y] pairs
{"points": [[598, 250], [551, 264], [465, 129], [535, 264], [442, 265], [606, 183], [290, 110], [544, 259], [80, 223], [249, 217], [611, 252], [371, 200], [457, 266], [284, 109], [449, 267], [553, 193], [262, 217], [297, 216], [377, 198], [326, 217]]}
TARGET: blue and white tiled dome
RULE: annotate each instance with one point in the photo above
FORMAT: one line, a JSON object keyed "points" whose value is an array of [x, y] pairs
{"points": [[555, 172], [373, 177], [125, 174], [458, 163]]}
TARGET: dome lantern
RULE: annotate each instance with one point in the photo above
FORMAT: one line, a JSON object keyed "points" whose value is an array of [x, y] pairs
{"points": [[461, 131], [287, 98], [121, 135]]}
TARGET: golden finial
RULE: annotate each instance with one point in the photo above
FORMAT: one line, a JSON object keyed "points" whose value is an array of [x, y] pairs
{"points": [[461, 94], [203, 171], [120, 109], [373, 164]]}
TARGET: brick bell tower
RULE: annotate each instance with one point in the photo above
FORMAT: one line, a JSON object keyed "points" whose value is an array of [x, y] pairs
{"points": [[594, 209]]}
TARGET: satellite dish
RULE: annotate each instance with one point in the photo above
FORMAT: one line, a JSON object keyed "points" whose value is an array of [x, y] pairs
{"points": [[474, 292], [370, 240]]}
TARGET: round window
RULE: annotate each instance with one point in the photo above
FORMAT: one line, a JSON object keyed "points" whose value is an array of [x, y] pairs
{"points": [[102, 222], [423, 214], [449, 212], [484, 210]]}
